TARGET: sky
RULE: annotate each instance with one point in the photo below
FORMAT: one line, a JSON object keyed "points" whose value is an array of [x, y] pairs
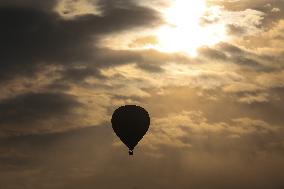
{"points": [[209, 72]]}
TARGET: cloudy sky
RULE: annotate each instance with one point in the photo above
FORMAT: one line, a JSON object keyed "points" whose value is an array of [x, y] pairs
{"points": [[210, 73]]}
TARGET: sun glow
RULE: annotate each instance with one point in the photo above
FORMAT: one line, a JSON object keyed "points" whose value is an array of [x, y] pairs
{"points": [[183, 31]]}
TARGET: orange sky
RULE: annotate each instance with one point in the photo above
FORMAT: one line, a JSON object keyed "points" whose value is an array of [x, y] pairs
{"points": [[210, 74]]}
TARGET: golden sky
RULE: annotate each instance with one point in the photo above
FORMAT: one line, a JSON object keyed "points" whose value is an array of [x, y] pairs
{"points": [[209, 72]]}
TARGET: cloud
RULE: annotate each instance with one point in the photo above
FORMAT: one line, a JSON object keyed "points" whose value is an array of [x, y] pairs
{"points": [[42, 5], [271, 43], [40, 37], [36, 113], [271, 80], [247, 22], [239, 23], [193, 130], [229, 53], [264, 6], [275, 10], [53, 161], [69, 9]]}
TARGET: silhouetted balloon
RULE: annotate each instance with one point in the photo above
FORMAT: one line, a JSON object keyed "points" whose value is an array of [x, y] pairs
{"points": [[130, 123]]}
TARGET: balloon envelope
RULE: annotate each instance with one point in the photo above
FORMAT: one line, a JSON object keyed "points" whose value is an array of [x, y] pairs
{"points": [[130, 123]]}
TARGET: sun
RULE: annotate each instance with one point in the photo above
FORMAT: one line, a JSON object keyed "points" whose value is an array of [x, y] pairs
{"points": [[188, 26], [183, 31]]}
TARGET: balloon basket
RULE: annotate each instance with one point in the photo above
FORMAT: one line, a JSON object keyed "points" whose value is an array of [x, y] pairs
{"points": [[130, 152]]}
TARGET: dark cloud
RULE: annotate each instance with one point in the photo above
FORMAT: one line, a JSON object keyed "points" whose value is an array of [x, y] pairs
{"points": [[148, 60], [43, 5], [224, 51], [212, 53], [30, 37], [80, 74], [150, 67], [28, 112], [232, 54], [235, 30]]}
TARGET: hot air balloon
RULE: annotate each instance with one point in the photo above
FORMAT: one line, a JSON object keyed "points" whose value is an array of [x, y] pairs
{"points": [[130, 123]]}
